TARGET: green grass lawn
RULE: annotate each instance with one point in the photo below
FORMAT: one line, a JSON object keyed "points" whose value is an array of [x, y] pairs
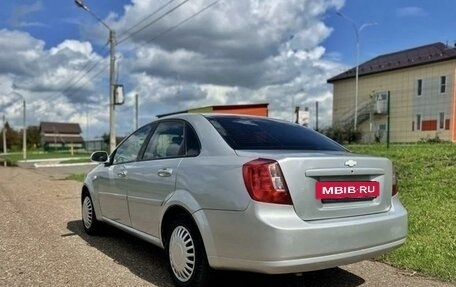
{"points": [[427, 188], [13, 158], [76, 176]]}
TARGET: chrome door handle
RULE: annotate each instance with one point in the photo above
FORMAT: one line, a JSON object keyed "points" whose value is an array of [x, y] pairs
{"points": [[122, 173], [165, 172]]}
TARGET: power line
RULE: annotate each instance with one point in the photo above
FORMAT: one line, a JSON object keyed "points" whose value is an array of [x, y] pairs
{"points": [[148, 16], [77, 80], [80, 78], [75, 87], [74, 81], [151, 23], [169, 30]]}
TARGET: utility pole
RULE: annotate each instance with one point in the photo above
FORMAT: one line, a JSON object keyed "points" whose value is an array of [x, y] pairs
{"points": [[316, 115], [24, 131], [136, 120], [24, 136], [87, 122], [112, 74], [4, 138], [4, 134]]}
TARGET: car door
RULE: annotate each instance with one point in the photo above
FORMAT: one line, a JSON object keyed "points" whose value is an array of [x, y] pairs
{"points": [[153, 177], [113, 189]]}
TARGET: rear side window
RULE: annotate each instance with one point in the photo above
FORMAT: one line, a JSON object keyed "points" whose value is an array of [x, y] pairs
{"points": [[244, 133], [172, 139], [166, 142], [193, 144]]}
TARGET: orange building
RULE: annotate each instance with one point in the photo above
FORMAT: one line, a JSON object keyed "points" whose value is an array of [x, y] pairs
{"points": [[247, 109]]}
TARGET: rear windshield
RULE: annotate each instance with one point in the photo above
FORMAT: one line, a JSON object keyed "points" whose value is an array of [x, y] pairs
{"points": [[245, 133]]}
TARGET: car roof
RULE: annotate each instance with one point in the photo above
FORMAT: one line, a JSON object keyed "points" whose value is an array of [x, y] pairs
{"points": [[205, 115]]}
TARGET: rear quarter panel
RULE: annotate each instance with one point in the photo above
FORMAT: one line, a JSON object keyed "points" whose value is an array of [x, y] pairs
{"points": [[215, 182]]}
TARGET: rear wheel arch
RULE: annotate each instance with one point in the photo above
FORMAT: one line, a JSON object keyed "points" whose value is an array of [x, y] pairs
{"points": [[171, 214], [187, 258]]}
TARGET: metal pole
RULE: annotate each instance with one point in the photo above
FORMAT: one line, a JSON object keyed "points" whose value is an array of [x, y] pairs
{"points": [[4, 138], [355, 124], [24, 136], [357, 30], [136, 111], [388, 122], [316, 115], [297, 114], [112, 73], [87, 122], [4, 134], [293, 110]]}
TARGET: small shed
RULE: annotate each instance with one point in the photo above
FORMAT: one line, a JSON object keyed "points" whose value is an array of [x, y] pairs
{"points": [[60, 136]]}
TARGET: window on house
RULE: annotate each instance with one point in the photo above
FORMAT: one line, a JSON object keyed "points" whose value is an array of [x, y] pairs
{"points": [[418, 122], [443, 84], [442, 121], [419, 87]]}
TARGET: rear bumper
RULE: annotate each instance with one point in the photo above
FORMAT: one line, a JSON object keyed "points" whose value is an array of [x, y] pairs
{"points": [[272, 239]]}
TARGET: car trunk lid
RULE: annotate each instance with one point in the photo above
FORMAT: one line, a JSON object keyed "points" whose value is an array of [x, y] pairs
{"points": [[305, 171]]}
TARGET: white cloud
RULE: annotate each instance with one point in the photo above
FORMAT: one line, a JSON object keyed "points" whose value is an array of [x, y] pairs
{"points": [[20, 14], [238, 51], [76, 46], [411, 11]]}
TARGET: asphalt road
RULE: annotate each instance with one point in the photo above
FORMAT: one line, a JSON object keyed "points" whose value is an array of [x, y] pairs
{"points": [[42, 243]]}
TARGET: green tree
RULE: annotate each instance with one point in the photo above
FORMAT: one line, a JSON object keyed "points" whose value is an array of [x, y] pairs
{"points": [[105, 138], [33, 137], [12, 139]]}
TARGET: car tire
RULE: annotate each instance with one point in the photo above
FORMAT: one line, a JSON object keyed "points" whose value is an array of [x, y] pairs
{"points": [[187, 259], [89, 219]]}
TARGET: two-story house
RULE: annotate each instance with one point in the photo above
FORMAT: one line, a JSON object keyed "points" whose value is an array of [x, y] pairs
{"points": [[420, 85]]}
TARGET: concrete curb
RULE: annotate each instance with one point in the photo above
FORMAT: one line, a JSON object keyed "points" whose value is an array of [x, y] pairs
{"points": [[64, 164], [50, 159]]}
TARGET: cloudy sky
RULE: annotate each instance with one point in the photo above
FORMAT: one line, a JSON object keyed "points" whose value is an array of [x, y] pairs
{"points": [[185, 54]]}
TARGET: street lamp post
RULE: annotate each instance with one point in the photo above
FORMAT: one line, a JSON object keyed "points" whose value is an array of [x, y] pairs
{"points": [[24, 132], [24, 122], [4, 134], [4, 138], [112, 73], [357, 30]]}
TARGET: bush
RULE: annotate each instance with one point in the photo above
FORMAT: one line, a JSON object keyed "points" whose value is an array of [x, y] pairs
{"points": [[430, 140], [343, 135]]}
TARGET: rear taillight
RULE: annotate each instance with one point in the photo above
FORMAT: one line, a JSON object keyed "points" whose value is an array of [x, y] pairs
{"points": [[264, 181], [395, 187]]}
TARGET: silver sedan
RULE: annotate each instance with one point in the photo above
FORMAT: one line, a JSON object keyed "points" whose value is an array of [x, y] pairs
{"points": [[244, 193]]}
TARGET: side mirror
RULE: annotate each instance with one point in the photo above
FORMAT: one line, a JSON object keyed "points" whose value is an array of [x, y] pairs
{"points": [[99, 156]]}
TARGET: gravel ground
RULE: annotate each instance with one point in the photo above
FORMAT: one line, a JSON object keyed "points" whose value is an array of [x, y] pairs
{"points": [[42, 243]]}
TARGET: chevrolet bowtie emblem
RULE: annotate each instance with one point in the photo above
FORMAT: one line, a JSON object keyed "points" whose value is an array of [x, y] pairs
{"points": [[350, 163]]}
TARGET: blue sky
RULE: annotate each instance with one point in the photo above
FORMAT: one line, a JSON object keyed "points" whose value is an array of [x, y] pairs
{"points": [[401, 24], [238, 51]]}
